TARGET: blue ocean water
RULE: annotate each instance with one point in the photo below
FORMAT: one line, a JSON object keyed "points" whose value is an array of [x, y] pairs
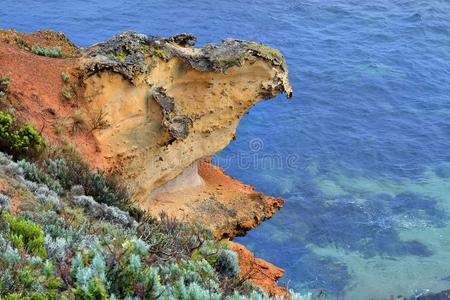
{"points": [[361, 152]]}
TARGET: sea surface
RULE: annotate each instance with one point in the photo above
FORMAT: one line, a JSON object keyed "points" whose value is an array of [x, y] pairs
{"points": [[362, 151]]}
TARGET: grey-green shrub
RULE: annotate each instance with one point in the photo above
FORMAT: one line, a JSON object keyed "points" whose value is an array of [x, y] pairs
{"points": [[4, 85], [103, 211], [56, 248], [5, 202], [47, 51], [228, 263]]}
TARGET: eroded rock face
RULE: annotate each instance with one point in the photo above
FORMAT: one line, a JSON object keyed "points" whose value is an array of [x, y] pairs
{"points": [[260, 272], [170, 105], [162, 108], [204, 194]]}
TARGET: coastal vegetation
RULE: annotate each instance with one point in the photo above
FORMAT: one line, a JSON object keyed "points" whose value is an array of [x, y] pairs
{"points": [[4, 84], [19, 141], [68, 232]]}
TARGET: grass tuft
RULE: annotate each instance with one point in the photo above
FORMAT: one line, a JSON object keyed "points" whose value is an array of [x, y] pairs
{"points": [[65, 76], [78, 122], [67, 93]]}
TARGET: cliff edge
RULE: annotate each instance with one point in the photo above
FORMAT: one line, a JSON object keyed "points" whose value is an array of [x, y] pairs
{"points": [[169, 107], [151, 111]]}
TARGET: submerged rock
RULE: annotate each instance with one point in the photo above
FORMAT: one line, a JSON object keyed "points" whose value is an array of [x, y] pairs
{"points": [[444, 295]]}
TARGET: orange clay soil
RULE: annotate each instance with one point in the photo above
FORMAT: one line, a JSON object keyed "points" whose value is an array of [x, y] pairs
{"points": [[42, 38], [259, 272], [35, 94]]}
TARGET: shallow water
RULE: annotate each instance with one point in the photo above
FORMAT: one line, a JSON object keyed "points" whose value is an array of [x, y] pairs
{"points": [[361, 153]]}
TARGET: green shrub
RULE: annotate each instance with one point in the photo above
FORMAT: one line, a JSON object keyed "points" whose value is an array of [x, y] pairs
{"points": [[18, 141], [78, 122], [49, 52], [120, 56], [24, 234], [4, 85], [159, 53], [28, 139], [65, 76], [67, 93]]}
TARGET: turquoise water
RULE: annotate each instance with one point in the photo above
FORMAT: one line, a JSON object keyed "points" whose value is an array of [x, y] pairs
{"points": [[361, 153]]}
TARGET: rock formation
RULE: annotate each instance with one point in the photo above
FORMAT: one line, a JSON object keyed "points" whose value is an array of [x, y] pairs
{"points": [[259, 272], [152, 111], [169, 106]]}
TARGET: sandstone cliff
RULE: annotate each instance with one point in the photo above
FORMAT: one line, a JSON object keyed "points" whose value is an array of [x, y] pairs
{"points": [[169, 106], [152, 111]]}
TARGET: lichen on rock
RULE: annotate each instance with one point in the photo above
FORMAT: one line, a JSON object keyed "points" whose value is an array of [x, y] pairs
{"points": [[127, 54]]}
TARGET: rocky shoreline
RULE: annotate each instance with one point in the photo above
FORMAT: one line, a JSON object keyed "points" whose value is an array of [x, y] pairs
{"points": [[152, 111]]}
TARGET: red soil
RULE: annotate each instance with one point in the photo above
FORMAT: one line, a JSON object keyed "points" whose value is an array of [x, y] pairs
{"points": [[35, 95]]}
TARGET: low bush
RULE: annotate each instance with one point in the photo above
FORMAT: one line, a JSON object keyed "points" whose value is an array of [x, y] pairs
{"points": [[61, 176], [78, 122], [67, 93], [65, 76], [4, 85], [159, 53], [59, 126], [99, 120], [170, 239], [49, 52], [25, 235], [5, 202], [103, 211], [228, 263], [121, 56], [66, 151], [19, 141]]}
